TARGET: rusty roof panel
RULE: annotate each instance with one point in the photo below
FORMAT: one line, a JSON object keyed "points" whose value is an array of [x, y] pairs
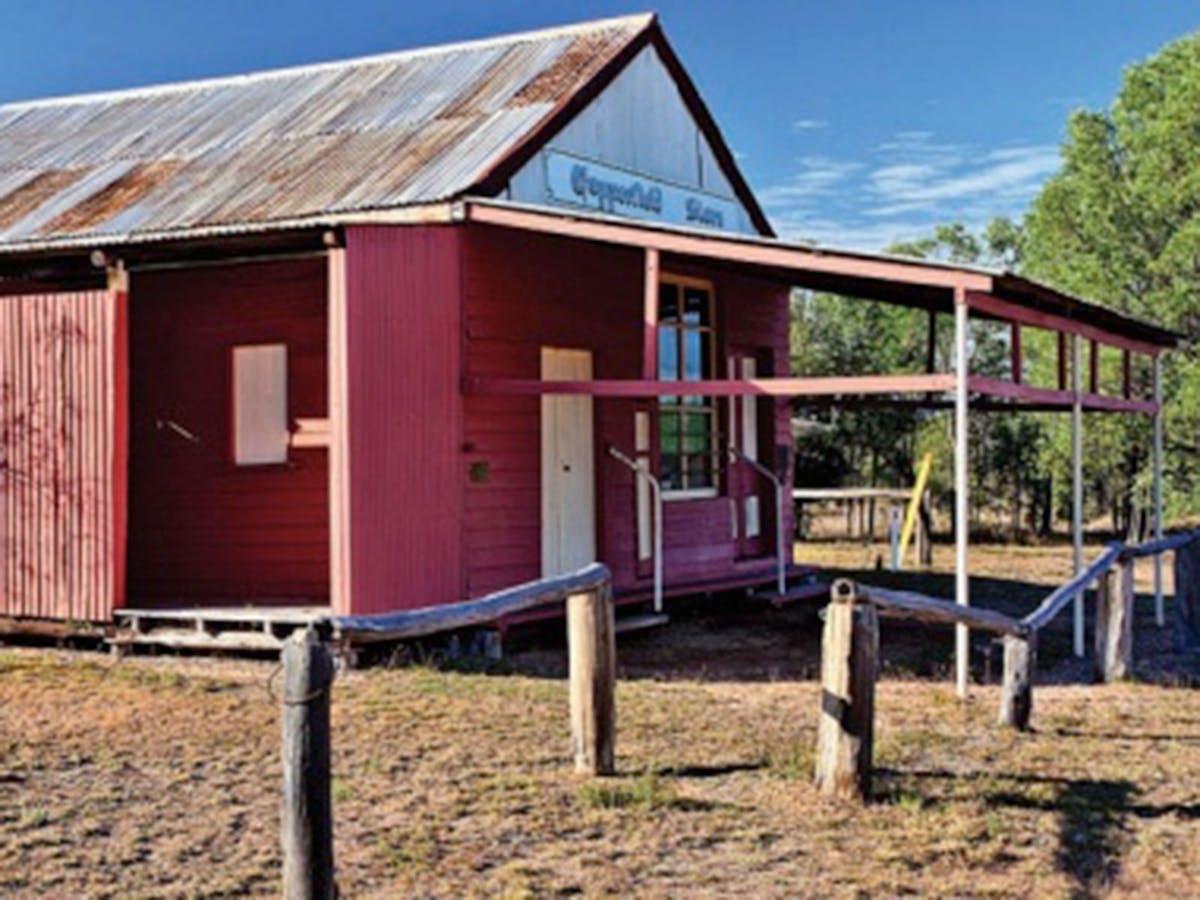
{"points": [[404, 128]]}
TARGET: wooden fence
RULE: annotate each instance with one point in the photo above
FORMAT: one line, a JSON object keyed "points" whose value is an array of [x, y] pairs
{"points": [[307, 814], [850, 648]]}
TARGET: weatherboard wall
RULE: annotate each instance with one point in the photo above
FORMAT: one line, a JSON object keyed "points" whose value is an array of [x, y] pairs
{"points": [[201, 527], [398, 488], [524, 291]]}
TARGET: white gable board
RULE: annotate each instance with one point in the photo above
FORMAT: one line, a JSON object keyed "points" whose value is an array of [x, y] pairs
{"points": [[635, 151]]}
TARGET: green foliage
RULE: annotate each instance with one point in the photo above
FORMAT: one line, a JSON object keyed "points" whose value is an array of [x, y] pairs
{"points": [[1120, 224], [879, 444], [648, 792]]}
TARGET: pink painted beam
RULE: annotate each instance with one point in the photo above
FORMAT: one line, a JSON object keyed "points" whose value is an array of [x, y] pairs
{"points": [[774, 387], [1014, 312], [752, 251], [1023, 393]]}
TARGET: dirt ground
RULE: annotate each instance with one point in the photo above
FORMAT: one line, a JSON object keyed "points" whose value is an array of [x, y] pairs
{"points": [[159, 777]]}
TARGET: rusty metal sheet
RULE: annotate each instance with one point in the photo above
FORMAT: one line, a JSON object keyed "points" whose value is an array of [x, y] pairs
{"points": [[399, 129]]}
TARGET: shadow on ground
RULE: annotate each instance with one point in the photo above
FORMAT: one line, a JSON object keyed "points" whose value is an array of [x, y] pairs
{"points": [[730, 637]]}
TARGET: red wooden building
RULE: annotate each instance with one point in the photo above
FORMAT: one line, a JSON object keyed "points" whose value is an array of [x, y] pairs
{"points": [[397, 331]]}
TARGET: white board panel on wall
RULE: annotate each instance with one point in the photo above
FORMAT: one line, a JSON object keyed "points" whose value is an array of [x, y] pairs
{"points": [[260, 421]]}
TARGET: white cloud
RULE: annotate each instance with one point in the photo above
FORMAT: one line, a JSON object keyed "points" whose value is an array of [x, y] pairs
{"points": [[816, 175], [808, 124], [905, 186]]}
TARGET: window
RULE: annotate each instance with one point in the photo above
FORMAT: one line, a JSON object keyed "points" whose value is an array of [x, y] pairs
{"points": [[687, 425], [260, 415]]}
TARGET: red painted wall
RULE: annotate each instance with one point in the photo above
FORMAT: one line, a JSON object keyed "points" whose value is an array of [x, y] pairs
{"points": [[403, 418], [202, 528], [62, 414], [522, 291]]}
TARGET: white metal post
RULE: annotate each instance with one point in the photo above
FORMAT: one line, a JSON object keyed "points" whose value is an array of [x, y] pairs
{"points": [[656, 498], [780, 537], [1159, 610], [1077, 482], [962, 525]]}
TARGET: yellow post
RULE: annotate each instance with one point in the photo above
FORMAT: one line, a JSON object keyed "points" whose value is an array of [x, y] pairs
{"points": [[914, 503]]}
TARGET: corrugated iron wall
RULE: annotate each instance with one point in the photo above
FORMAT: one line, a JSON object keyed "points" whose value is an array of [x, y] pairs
{"points": [[396, 406], [62, 454]]}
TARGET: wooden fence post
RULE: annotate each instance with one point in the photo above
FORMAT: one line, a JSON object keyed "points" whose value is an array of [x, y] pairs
{"points": [[1016, 691], [307, 816], [1186, 608], [591, 646], [1114, 623], [849, 665]]}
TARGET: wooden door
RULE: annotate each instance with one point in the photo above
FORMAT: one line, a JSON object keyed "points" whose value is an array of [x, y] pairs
{"points": [[568, 466]]}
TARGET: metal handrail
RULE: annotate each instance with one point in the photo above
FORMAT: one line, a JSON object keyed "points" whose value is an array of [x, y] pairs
{"points": [[780, 561], [656, 491]]}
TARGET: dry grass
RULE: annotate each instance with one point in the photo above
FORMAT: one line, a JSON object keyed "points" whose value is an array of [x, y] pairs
{"points": [[159, 777]]}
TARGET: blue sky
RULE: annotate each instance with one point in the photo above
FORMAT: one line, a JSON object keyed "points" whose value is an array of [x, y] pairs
{"points": [[858, 122]]}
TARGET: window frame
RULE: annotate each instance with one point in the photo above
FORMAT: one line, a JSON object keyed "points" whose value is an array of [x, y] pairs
{"points": [[676, 405]]}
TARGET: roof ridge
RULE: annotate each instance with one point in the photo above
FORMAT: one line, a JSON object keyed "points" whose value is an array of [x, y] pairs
{"points": [[640, 20]]}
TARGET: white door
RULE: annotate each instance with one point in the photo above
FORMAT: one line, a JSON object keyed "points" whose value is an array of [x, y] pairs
{"points": [[568, 467]]}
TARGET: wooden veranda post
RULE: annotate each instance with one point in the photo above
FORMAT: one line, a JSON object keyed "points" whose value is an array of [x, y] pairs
{"points": [[591, 639], [849, 666], [1016, 691], [1114, 623], [307, 815]]}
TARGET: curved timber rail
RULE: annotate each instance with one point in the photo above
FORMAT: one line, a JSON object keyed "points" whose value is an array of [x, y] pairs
{"points": [[910, 605], [306, 824], [1061, 596], [414, 623]]}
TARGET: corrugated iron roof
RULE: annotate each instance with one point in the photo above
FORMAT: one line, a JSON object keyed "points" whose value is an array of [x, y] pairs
{"points": [[379, 132]]}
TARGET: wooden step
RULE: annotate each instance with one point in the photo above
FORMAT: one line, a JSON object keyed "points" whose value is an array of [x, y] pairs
{"points": [[192, 639], [642, 622]]}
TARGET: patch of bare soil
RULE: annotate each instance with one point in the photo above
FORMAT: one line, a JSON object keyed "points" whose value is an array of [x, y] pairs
{"points": [[159, 777]]}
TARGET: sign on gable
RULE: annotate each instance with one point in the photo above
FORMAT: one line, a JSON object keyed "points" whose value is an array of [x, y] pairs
{"points": [[576, 181]]}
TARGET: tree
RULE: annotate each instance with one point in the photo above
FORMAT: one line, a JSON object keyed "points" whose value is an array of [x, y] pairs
{"points": [[876, 444], [1120, 224]]}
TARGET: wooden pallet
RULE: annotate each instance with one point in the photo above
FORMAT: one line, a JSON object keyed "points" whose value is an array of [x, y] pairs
{"points": [[246, 629]]}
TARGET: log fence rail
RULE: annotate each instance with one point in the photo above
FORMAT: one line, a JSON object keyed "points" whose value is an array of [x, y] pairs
{"points": [[306, 821], [850, 641]]}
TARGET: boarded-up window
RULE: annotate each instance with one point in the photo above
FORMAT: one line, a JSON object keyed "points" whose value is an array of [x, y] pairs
{"points": [[260, 423]]}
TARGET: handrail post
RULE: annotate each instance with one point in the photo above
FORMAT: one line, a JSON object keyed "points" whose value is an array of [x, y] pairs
{"points": [[591, 647], [780, 537], [656, 494]]}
